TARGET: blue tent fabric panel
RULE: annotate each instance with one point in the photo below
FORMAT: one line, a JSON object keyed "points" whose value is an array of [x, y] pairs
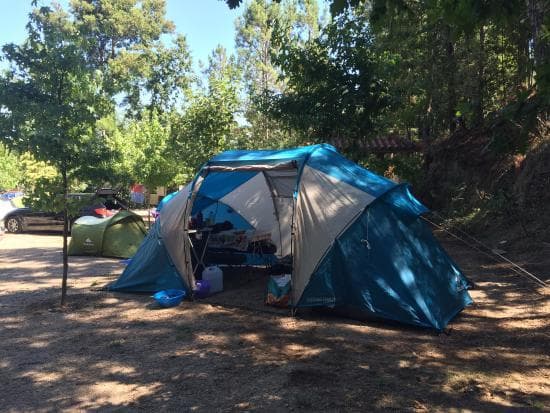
{"points": [[404, 276], [400, 197], [151, 269], [260, 259], [323, 157], [201, 203], [332, 163], [220, 211], [165, 200], [261, 156], [223, 212], [218, 184]]}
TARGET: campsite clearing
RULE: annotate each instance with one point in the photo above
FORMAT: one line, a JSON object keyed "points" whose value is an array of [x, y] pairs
{"points": [[230, 353]]}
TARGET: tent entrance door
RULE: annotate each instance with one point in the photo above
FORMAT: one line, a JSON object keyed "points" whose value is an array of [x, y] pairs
{"points": [[250, 225]]}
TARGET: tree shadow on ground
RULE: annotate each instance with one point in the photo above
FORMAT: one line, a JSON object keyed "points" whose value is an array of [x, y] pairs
{"points": [[26, 263], [111, 352]]}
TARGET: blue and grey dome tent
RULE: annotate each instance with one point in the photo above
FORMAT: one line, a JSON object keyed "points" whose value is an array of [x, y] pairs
{"points": [[356, 239]]}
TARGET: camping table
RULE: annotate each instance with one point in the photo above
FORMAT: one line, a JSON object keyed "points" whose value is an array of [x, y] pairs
{"points": [[199, 257], [256, 240]]}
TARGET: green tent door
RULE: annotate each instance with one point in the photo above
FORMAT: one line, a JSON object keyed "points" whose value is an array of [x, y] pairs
{"points": [[116, 236], [123, 238]]}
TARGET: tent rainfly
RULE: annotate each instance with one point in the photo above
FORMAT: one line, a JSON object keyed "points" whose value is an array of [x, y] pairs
{"points": [[356, 240], [117, 236]]}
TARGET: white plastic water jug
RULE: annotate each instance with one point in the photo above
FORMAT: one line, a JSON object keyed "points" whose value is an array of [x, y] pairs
{"points": [[214, 276]]}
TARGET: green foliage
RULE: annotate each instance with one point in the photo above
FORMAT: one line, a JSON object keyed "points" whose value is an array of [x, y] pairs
{"points": [[385, 66], [335, 89], [51, 98], [64, 78], [264, 29], [418, 69], [10, 174], [399, 168], [122, 39], [33, 171], [144, 151], [208, 124], [455, 55]]}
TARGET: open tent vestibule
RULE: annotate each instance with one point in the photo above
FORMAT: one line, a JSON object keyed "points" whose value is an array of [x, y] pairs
{"points": [[355, 239]]}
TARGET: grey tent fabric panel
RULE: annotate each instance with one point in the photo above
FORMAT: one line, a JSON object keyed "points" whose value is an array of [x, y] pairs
{"points": [[282, 185], [282, 182], [284, 208], [254, 201], [325, 206], [172, 224]]}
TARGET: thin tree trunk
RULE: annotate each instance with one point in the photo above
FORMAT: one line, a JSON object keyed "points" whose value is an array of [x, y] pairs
{"points": [[478, 110], [523, 70], [535, 11], [427, 125], [148, 210], [65, 235], [451, 85]]}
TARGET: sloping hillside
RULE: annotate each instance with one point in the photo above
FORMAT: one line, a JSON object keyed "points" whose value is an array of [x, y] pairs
{"points": [[496, 178]]}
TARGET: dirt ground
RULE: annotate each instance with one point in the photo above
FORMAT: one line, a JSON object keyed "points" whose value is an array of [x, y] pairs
{"points": [[116, 352]]}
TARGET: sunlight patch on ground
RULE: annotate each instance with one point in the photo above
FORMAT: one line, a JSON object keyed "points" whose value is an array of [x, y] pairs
{"points": [[39, 344], [111, 367], [115, 393], [217, 339], [44, 376], [385, 402], [251, 338], [302, 351]]}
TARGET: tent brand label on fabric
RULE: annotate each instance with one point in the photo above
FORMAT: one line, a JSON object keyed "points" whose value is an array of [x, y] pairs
{"points": [[321, 300], [88, 242]]}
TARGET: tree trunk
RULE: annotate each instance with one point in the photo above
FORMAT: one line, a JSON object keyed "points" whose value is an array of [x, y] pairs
{"points": [[427, 123], [523, 64], [148, 210], [65, 235], [478, 109], [451, 84], [535, 11]]}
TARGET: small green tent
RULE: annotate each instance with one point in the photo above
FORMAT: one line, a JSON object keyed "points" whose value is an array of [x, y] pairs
{"points": [[116, 236]]}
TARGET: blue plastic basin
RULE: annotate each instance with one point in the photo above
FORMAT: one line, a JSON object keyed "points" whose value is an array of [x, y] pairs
{"points": [[169, 298]]}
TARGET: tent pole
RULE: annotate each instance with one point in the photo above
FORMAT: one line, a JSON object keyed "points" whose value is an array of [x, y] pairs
{"points": [[275, 209]]}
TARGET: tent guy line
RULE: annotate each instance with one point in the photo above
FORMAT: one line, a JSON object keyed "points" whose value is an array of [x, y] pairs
{"points": [[518, 269]]}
